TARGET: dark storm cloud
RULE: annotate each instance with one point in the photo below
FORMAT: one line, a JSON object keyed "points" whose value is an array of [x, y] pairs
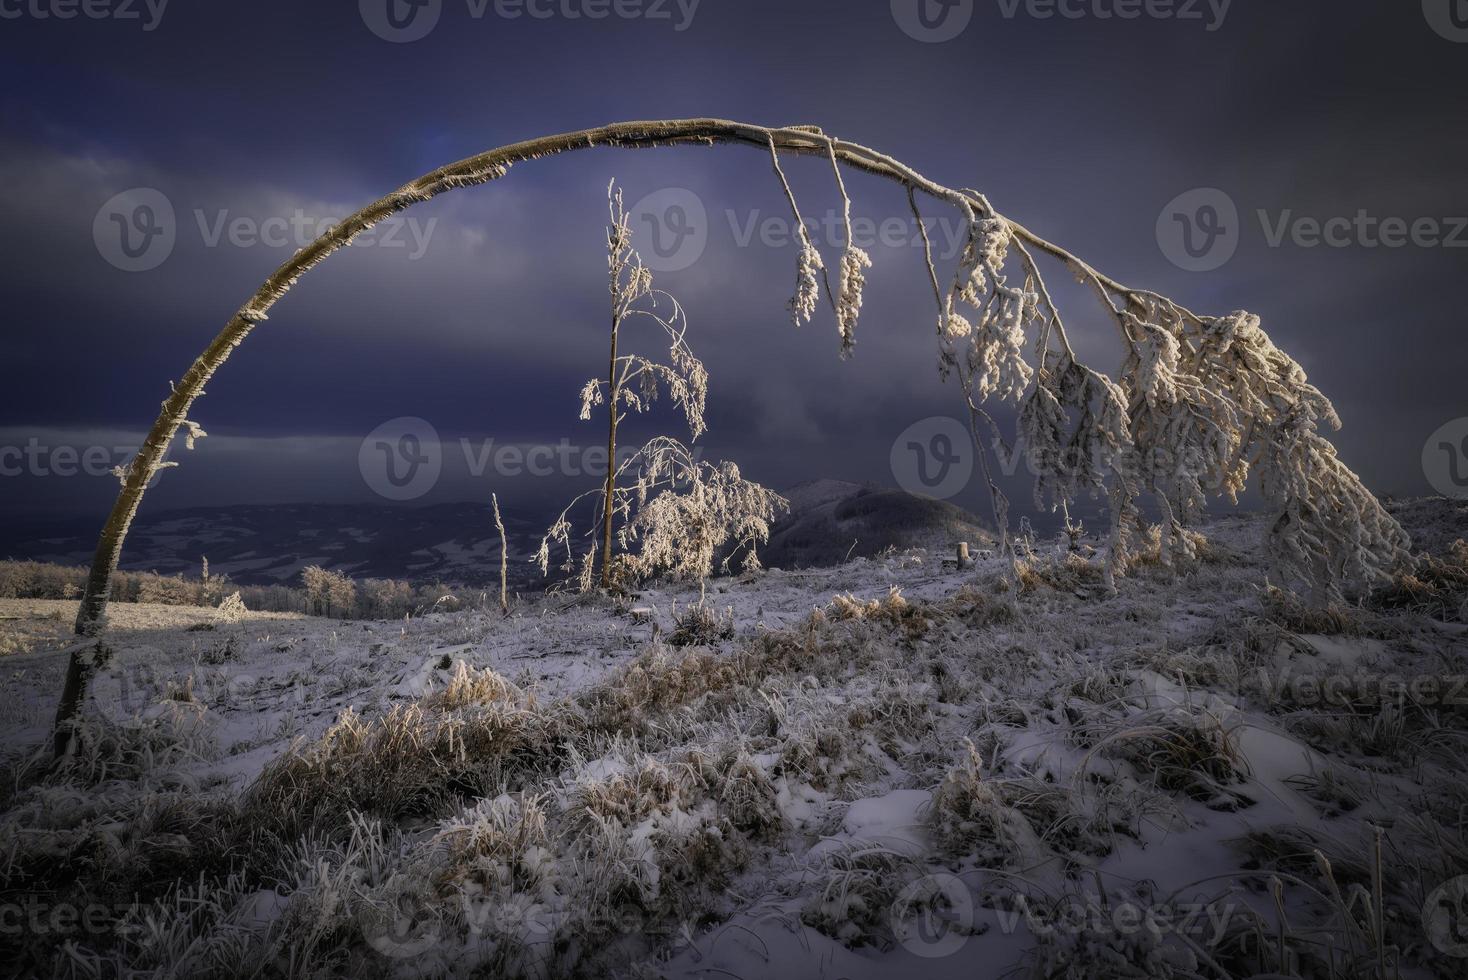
{"points": [[258, 120]]}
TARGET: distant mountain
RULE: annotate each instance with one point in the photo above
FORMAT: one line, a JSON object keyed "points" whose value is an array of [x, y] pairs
{"points": [[271, 543], [264, 544], [831, 519]]}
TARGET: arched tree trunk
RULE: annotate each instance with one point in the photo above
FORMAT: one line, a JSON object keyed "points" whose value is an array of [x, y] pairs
{"points": [[475, 170], [91, 617]]}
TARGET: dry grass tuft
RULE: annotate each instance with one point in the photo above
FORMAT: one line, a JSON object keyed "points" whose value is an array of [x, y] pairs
{"points": [[700, 626], [411, 761], [468, 688], [969, 819], [1183, 752]]}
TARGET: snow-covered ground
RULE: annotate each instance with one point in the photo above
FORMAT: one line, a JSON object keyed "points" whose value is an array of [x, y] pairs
{"points": [[870, 770]]}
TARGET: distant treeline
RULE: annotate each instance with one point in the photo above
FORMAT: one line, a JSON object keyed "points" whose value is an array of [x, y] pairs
{"points": [[321, 592]]}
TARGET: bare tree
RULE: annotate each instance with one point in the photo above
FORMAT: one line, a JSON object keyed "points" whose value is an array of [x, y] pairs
{"points": [[630, 284], [634, 381]]}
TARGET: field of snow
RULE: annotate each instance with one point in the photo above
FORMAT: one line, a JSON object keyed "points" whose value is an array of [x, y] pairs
{"points": [[876, 769]]}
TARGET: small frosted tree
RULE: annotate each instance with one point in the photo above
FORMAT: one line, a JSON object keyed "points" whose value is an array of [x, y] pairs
{"points": [[677, 511], [633, 381]]}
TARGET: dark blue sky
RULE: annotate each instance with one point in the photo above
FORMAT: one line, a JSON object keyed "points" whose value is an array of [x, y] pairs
{"points": [[1083, 126]]}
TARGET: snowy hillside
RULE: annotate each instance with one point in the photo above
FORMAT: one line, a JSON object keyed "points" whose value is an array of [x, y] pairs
{"points": [[875, 769], [831, 520]]}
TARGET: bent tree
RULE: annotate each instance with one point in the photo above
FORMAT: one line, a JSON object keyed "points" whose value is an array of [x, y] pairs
{"points": [[1201, 402]]}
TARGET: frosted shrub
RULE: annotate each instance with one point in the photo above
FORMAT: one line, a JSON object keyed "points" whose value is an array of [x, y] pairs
{"points": [[969, 819], [700, 626], [232, 608], [748, 798]]}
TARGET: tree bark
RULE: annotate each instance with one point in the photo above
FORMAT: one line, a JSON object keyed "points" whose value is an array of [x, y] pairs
{"points": [[504, 556], [611, 483]]}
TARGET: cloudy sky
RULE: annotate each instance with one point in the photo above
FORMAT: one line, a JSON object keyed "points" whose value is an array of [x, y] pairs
{"points": [[158, 160]]}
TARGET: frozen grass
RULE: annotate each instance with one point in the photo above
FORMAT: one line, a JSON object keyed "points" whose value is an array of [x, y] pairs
{"points": [[1055, 747]]}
